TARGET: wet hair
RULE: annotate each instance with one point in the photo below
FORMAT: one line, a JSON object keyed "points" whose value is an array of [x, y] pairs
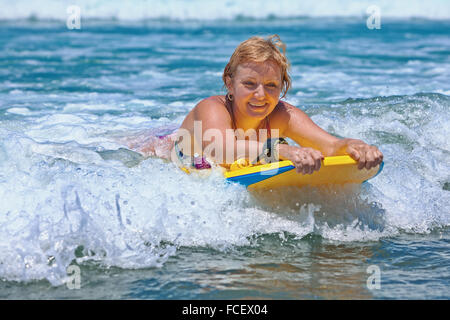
{"points": [[257, 49]]}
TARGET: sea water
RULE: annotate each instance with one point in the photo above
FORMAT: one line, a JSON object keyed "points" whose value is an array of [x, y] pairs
{"points": [[75, 200]]}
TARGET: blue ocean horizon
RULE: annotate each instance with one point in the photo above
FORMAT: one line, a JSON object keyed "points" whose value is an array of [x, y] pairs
{"points": [[75, 197]]}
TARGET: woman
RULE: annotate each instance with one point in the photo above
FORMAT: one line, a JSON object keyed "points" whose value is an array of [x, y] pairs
{"points": [[255, 77]]}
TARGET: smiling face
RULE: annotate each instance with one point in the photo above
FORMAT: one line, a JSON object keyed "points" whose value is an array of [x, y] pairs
{"points": [[256, 89]]}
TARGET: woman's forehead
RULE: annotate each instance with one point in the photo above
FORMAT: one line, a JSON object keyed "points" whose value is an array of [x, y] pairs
{"points": [[266, 69]]}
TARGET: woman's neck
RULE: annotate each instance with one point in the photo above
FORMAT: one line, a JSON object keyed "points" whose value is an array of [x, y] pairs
{"points": [[246, 123]]}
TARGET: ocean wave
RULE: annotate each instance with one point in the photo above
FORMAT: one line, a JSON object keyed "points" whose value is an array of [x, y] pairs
{"points": [[220, 10], [80, 198]]}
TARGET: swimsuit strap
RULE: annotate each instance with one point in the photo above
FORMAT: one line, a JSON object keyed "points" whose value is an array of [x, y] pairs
{"points": [[229, 106], [268, 128]]}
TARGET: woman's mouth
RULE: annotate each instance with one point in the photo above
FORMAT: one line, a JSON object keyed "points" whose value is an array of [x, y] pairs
{"points": [[257, 105]]}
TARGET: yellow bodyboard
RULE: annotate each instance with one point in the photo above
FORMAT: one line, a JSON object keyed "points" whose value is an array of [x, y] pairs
{"points": [[334, 170]]}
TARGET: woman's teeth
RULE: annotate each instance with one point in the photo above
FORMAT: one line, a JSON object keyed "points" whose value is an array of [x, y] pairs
{"points": [[257, 104]]}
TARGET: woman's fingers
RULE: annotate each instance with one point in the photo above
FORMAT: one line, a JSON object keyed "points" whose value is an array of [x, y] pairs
{"points": [[370, 159], [311, 163], [308, 160], [318, 160], [353, 153], [379, 157], [305, 163], [362, 160], [367, 156], [305, 160], [298, 167]]}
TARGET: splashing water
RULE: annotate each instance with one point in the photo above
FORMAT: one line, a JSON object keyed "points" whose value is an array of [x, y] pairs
{"points": [[73, 191]]}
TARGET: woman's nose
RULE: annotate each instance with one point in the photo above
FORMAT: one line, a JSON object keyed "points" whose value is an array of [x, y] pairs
{"points": [[259, 91]]}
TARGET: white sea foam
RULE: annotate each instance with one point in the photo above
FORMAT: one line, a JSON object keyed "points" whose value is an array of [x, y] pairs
{"points": [[118, 215], [145, 103], [75, 107], [72, 193], [21, 111], [212, 10]]}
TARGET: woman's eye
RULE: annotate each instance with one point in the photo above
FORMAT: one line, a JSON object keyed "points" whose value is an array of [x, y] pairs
{"points": [[252, 84]]}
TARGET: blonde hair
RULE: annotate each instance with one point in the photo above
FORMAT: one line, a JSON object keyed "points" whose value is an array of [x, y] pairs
{"points": [[257, 49]]}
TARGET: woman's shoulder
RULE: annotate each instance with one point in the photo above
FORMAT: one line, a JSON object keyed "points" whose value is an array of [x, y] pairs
{"points": [[213, 100], [285, 110], [284, 106], [283, 114], [212, 109], [210, 105]]}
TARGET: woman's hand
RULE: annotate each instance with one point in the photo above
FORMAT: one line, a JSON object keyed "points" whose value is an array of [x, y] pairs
{"points": [[367, 156], [305, 160]]}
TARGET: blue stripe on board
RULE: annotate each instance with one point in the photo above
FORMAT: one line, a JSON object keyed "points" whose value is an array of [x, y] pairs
{"points": [[251, 178]]}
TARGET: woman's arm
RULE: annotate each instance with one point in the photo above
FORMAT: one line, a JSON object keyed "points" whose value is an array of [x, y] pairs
{"points": [[211, 134], [317, 143]]}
